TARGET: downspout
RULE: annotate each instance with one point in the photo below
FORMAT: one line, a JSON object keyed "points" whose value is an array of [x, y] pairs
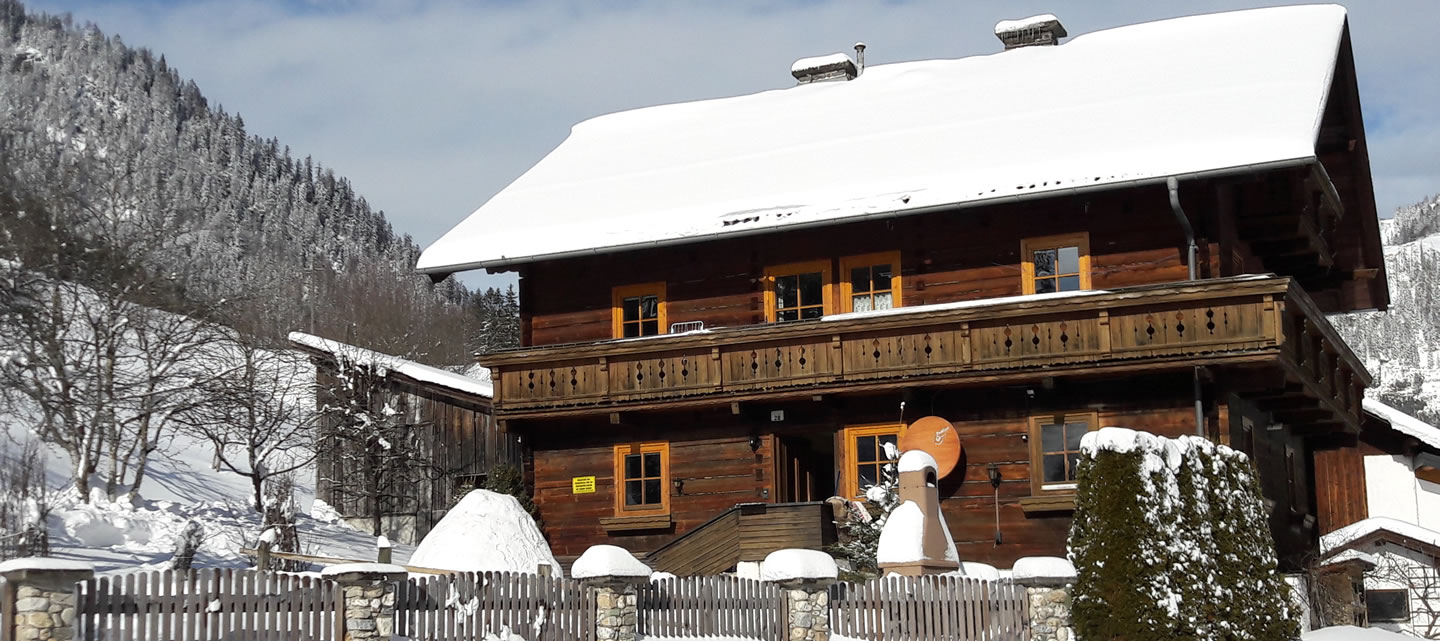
{"points": [[1191, 251]]}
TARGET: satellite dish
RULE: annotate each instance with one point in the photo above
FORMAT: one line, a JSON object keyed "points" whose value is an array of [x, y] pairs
{"points": [[934, 436]]}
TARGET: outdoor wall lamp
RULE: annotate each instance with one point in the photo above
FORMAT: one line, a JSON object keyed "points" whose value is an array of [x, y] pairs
{"points": [[754, 442], [994, 471]]}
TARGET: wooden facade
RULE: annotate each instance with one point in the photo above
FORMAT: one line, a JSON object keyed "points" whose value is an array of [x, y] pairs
{"points": [[742, 405]]}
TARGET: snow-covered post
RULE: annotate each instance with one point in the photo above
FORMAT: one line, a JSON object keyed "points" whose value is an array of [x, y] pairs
{"points": [[614, 574], [805, 576], [40, 596], [369, 592], [1048, 582]]}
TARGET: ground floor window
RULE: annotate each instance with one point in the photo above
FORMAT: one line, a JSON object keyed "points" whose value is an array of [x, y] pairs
{"points": [[642, 478], [1387, 605], [1055, 449], [868, 450]]}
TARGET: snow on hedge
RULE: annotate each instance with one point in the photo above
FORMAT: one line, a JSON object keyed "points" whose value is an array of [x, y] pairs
{"points": [[1170, 540], [486, 531], [600, 561]]}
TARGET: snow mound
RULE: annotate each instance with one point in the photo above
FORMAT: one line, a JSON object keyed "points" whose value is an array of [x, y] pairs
{"points": [[1042, 568], [486, 531], [979, 571], [902, 539], [44, 563], [608, 560], [786, 565], [1352, 633], [367, 568]]}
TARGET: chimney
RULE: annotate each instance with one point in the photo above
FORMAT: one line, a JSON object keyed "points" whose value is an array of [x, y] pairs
{"points": [[836, 66], [859, 58], [1044, 29]]}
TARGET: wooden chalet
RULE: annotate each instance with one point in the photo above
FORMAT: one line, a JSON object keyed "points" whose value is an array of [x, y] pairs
{"points": [[453, 426], [731, 307]]}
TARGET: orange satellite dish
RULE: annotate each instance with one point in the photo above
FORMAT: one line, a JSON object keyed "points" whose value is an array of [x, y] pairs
{"points": [[936, 437]]}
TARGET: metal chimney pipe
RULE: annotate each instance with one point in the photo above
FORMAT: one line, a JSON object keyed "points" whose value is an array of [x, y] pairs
{"points": [[859, 58]]}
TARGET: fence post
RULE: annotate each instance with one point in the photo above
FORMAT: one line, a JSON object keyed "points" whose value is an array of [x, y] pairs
{"points": [[614, 574], [367, 591], [804, 576], [40, 597], [1048, 582]]}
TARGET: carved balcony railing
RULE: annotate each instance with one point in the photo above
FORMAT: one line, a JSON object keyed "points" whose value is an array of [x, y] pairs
{"points": [[1241, 320]]}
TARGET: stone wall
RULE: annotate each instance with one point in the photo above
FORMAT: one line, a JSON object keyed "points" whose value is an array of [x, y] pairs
{"points": [[808, 608], [1050, 613], [44, 597], [615, 612]]}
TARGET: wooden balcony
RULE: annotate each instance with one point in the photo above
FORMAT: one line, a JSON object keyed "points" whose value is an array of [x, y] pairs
{"points": [[1264, 322]]}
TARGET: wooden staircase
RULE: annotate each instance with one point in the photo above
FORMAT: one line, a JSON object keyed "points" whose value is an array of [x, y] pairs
{"points": [[746, 532]]}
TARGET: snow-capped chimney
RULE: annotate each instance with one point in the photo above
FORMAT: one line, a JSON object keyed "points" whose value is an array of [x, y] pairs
{"points": [[859, 58], [1044, 29], [836, 66]]}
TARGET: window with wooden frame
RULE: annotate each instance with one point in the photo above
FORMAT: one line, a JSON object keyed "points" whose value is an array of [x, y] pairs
{"points": [[1055, 449], [638, 310], [642, 478], [1055, 263], [798, 291], [868, 449], [869, 282]]}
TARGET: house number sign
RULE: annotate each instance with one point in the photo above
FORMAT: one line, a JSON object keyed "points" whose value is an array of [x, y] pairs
{"points": [[582, 485]]}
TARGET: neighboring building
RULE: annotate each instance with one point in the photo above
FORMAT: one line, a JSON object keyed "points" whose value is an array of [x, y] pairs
{"points": [[744, 300], [453, 436], [1396, 524]]}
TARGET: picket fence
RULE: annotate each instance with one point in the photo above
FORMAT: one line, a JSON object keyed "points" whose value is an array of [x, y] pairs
{"points": [[701, 606], [929, 608], [468, 605]]}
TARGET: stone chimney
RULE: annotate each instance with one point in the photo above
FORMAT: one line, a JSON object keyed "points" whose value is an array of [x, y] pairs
{"points": [[1044, 29], [836, 66]]}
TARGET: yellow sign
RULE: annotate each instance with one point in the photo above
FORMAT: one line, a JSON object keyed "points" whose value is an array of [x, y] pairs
{"points": [[582, 485]]}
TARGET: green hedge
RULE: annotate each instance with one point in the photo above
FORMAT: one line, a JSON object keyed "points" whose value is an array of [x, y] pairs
{"points": [[1170, 541]]}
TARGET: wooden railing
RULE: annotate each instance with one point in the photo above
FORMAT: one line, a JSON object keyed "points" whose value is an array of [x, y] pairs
{"points": [[1237, 319], [746, 532]]}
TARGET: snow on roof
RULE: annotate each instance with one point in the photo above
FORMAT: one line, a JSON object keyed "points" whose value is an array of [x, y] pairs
{"points": [[808, 64], [44, 563], [1042, 567], [599, 561], [1006, 26], [485, 531], [1190, 96], [1404, 423], [1359, 529], [793, 564], [385, 363], [917, 460], [1352, 555]]}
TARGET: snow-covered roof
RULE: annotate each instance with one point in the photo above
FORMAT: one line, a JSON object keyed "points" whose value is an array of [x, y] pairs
{"points": [[1006, 26], [1201, 95], [1352, 555], [1360, 529], [385, 363], [809, 64], [1404, 423]]}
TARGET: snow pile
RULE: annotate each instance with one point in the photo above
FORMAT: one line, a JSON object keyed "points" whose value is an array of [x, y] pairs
{"points": [[62, 565], [606, 561], [1352, 633], [981, 571], [902, 541], [1359, 529], [794, 564], [366, 568], [1042, 568], [386, 363], [486, 531], [1191, 95]]}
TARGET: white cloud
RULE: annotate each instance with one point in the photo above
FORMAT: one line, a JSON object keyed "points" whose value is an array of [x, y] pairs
{"points": [[432, 107]]}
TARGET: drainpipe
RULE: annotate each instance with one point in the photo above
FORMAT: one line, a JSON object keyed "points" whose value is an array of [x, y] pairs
{"points": [[1191, 251]]}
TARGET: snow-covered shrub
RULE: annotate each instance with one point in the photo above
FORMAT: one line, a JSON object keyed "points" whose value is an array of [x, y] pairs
{"points": [[859, 529], [187, 544], [1169, 541]]}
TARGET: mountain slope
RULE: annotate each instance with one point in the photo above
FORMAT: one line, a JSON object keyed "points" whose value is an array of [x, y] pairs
{"points": [[1401, 347]]}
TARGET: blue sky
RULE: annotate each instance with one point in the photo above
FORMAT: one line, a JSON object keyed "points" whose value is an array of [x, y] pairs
{"points": [[431, 107]]}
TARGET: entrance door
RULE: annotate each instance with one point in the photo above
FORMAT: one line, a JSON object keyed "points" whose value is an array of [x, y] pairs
{"points": [[805, 468]]}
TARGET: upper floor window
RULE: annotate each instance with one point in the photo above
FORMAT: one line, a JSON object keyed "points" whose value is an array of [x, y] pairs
{"points": [[1055, 263], [1055, 449], [797, 291], [642, 475], [869, 449], [638, 310], [870, 282]]}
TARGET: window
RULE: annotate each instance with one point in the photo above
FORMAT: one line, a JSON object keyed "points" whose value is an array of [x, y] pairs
{"points": [[1388, 605], [1055, 263], [638, 310], [642, 478], [1055, 449], [870, 282], [799, 291], [868, 449]]}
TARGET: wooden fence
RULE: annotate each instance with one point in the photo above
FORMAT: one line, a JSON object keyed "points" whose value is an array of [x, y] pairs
{"points": [[929, 608], [235, 605], [710, 605], [467, 606]]}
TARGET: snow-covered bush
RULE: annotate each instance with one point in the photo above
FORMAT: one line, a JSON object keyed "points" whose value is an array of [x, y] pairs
{"points": [[1170, 541], [860, 528]]}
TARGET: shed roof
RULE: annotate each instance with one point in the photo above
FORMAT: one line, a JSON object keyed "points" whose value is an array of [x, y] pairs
{"points": [[475, 381], [1194, 96]]}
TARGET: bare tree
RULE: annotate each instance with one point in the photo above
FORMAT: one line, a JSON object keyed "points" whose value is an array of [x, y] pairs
{"points": [[1417, 575], [259, 415]]}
